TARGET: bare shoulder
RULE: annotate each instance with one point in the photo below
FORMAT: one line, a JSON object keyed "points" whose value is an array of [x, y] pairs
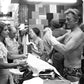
{"points": [[80, 34], [77, 36]]}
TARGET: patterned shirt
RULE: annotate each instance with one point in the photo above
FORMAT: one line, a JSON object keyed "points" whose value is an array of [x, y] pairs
{"points": [[12, 45], [3, 52]]}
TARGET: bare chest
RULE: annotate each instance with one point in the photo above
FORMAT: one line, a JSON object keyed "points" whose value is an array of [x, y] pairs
{"points": [[67, 38]]}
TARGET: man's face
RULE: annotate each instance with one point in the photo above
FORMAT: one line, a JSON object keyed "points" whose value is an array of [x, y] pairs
{"points": [[12, 33], [70, 20]]}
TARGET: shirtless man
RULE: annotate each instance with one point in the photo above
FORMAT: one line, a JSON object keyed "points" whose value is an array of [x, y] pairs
{"points": [[72, 46]]}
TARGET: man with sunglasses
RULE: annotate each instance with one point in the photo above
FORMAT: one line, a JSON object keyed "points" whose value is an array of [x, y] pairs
{"points": [[71, 47]]}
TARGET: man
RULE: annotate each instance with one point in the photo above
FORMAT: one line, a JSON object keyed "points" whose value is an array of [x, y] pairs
{"points": [[71, 47], [57, 58], [57, 28], [13, 45]]}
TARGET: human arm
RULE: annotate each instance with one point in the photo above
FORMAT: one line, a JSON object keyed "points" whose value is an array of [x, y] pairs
{"points": [[39, 49], [10, 65], [3, 59], [36, 51], [60, 38], [40, 46], [16, 56], [7, 65], [69, 47]]}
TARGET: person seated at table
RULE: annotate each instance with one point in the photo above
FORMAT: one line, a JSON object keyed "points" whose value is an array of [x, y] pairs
{"points": [[38, 48], [4, 65], [12, 45]]}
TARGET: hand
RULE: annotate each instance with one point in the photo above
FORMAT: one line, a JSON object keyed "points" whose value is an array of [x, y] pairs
{"points": [[30, 43], [24, 56], [54, 41], [22, 63]]}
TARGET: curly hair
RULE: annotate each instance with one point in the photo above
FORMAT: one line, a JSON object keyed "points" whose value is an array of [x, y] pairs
{"points": [[2, 25]]}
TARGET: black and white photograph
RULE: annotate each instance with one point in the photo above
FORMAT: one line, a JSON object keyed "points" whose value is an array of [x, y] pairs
{"points": [[41, 41]]}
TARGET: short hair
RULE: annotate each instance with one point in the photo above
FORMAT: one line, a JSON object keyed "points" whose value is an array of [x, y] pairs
{"points": [[2, 25], [54, 24], [36, 31], [74, 11]]}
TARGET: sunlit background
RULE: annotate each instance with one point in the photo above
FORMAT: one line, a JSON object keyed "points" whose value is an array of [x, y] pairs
{"points": [[36, 12], [54, 1]]}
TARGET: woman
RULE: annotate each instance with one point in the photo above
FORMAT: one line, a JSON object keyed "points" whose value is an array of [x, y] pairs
{"points": [[4, 66], [37, 47]]}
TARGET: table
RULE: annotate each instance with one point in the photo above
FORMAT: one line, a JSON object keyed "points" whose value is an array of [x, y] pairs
{"points": [[38, 80]]}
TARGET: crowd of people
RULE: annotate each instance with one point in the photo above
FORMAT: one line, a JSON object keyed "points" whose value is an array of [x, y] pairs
{"points": [[61, 46]]}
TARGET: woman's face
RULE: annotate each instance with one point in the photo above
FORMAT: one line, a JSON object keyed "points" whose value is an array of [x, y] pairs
{"points": [[5, 32]]}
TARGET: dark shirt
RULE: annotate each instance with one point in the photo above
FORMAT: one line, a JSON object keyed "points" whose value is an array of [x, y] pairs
{"points": [[58, 32]]}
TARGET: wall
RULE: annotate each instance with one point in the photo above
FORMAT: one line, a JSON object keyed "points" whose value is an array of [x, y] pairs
{"points": [[40, 15], [13, 8]]}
